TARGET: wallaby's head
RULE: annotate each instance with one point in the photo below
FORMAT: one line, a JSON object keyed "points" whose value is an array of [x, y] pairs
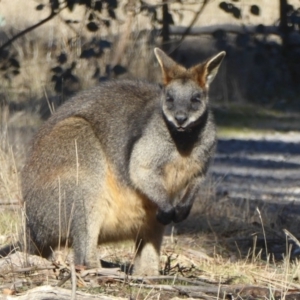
{"points": [[185, 98]]}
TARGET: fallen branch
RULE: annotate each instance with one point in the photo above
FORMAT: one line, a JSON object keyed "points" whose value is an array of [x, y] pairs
{"points": [[102, 272], [56, 293], [186, 289], [148, 279], [32, 269]]}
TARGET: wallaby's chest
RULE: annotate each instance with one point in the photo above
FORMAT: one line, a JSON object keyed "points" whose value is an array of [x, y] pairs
{"points": [[160, 159], [179, 170]]}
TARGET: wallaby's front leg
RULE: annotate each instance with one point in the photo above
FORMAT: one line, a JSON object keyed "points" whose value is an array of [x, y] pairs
{"points": [[150, 184], [184, 206]]}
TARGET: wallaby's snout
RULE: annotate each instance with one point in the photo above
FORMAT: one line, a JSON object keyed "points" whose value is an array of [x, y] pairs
{"points": [[181, 117], [183, 104]]}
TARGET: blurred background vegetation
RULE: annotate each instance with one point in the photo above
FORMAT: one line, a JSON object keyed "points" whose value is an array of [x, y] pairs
{"points": [[51, 49]]}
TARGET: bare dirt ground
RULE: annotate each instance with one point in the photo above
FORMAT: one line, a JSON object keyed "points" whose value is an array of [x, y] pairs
{"points": [[259, 167], [253, 192]]}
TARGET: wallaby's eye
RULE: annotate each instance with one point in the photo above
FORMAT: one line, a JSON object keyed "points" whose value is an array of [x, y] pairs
{"points": [[196, 98], [169, 99]]}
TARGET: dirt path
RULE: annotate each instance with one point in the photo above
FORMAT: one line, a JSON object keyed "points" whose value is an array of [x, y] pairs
{"points": [[249, 172], [259, 167], [257, 171]]}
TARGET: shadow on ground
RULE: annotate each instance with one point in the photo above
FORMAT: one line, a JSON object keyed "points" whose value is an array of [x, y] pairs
{"points": [[254, 188]]}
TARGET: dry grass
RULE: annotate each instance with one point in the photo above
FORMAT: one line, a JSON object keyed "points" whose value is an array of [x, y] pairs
{"points": [[188, 270], [8, 170]]}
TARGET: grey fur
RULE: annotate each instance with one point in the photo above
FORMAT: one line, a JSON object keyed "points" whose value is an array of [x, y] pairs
{"points": [[120, 161]]}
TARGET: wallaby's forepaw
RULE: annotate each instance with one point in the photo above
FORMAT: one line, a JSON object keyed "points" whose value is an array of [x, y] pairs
{"points": [[181, 212], [165, 217], [176, 214]]}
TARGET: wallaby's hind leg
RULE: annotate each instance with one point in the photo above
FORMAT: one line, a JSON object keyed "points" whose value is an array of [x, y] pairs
{"points": [[85, 246], [148, 250], [85, 251], [85, 233]]}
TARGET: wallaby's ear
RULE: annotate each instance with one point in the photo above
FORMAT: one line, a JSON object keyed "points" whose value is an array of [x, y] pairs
{"points": [[170, 69], [207, 71], [212, 66]]}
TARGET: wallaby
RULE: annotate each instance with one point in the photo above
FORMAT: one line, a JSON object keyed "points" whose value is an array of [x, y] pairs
{"points": [[120, 161]]}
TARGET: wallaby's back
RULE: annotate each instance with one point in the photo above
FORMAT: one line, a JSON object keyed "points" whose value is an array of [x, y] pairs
{"points": [[117, 113]]}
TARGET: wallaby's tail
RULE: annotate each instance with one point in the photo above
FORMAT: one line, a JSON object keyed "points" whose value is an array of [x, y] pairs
{"points": [[8, 249]]}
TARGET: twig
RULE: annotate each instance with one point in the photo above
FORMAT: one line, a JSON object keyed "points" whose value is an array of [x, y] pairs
{"points": [[292, 237], [73, 280], [10, 203], [164, 287], [31, 28], [34, 268], [199, 12], [75, 277], [51, 108], [123, 41], [188, 29], [263, 228], [102, 271], [275, 282], [63, 281]]}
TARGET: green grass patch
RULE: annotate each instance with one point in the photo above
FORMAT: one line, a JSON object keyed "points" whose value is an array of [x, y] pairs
{"points": [[246, 117]]}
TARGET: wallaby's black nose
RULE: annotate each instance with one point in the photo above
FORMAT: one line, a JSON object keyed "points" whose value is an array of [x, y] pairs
{"points": [[181, 118]]}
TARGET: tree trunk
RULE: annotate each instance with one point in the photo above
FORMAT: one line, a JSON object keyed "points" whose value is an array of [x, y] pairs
{"points": [[283, 25], [165, 22]]}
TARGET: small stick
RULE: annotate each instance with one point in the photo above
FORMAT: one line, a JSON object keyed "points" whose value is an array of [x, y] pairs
{"points": [[292, 237], [73, 281]]}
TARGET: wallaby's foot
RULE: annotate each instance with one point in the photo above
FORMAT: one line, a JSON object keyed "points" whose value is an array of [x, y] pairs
{"points": [[176, 214], [85, 249], [8, 249], [146, 262], [146, 271], [89, 263]]}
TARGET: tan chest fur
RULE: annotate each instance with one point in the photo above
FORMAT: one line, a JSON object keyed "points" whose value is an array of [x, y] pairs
{"points": [[126, 211], [178, 172]]}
